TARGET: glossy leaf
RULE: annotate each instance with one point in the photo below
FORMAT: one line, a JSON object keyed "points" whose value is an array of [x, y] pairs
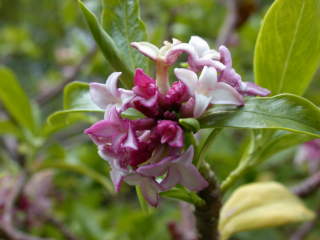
{"points": [[260, 205], [15, 100], [285, 111], [183, 195], [76, 102], [287, 51], [108, 47], [121, 19]]}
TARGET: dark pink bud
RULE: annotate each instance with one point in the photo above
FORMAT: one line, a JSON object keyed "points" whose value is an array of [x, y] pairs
{"points": [[170, 133], [144, 86], [178, 93]]}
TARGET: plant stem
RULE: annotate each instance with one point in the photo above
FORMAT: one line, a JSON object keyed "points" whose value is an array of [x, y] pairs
{"points": [[162, 78], [207, 215]]}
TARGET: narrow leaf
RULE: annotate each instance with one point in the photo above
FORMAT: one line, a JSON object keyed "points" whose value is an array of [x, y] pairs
{"points": [[15, 100], [108, 47], [121, 19], [285, 111], [260, 205], [287, 52]]}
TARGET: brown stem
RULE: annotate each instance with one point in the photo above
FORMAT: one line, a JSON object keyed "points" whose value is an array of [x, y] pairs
{"points": [[308, 186], [207, 215], [71, 76]]}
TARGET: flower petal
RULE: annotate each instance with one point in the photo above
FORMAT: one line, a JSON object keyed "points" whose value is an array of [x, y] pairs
{"points": [[100, 95], [252, 89], [208, 78], [185, 157], [188, 77], [225, 56], [171, 180], [200, 105], [150, 190], [111, 84], [155, 169], [199, 44], [131, 140], [146, 49], [191, 178], [225, 94], [117, 177]]}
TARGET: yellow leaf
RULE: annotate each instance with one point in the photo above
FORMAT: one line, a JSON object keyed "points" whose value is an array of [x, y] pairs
{"points": [[259, 205]]}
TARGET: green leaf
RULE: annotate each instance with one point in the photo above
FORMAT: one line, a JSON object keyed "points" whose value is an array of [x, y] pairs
{"points": [[108, 47], [121, 19], [104, 181], [15, 100], [76, 102], [132, 114], [285, 111], [7, 127], [183, 195], [287, 52], [190, 124], [260, 205]]}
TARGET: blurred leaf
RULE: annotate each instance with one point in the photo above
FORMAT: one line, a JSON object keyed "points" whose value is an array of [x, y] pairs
{"points": [[281, 141], [132, 114], [108, 47], [15, 100], [287, 52], [121, 19], [104, 181], [285, 111], [190, 124], [76, 102], [260, 205], [7, 127], [184, 195]]}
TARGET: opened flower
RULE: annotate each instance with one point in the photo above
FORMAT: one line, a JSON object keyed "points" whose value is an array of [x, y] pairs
{"points": [[207, 90]]}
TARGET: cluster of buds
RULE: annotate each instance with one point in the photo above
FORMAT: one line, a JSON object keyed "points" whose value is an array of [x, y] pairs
{"points": [[149, 151]]}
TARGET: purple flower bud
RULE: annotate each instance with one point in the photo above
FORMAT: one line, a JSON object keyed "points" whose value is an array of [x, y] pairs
{"points": [[170, 132]]}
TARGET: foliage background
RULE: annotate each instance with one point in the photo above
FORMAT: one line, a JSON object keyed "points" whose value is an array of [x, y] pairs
{"points": [[42, 40]]}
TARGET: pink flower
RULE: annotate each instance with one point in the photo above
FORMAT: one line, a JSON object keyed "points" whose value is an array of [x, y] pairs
{"points": [[229, 76], [207, 90], [115, 131], [108, 95], [170, 133], [179, 169], [178, 93], [149, 187]]}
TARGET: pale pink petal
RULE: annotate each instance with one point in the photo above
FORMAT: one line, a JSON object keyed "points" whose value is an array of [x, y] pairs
{"points": [[125, 95], [208, 78], [117, 177], [225, 56], [191, 178], [100, 95], [150, 190], [188, 77], [131, 140], [200, 105], [111, 84], [171, 180], [186, 157], [178, 140], [155, 169], [199, 44], [102, 131], [252, 89], [146, 49], [225, 94], [212, 54], [133, 179]]}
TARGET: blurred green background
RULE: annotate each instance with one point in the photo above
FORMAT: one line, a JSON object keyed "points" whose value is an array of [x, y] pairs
{"points": [[42, 40]]}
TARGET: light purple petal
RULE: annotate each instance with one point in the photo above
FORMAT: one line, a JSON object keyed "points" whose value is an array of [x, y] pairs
{"points": [[186, 157], [251, 89], [146, 49], [171, 180], [155, 169], [150, 190], [225, 56], [225, 94], [199, 44], [102, 130], [111, 84], [191, 178], [131, 140], [100, 95], [117, 177], [201, 104], [188, 77], [178, 140], [208, 78]]}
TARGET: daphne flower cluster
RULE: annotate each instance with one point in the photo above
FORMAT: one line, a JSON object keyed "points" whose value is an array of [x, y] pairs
{"points": [[149, 151]]}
